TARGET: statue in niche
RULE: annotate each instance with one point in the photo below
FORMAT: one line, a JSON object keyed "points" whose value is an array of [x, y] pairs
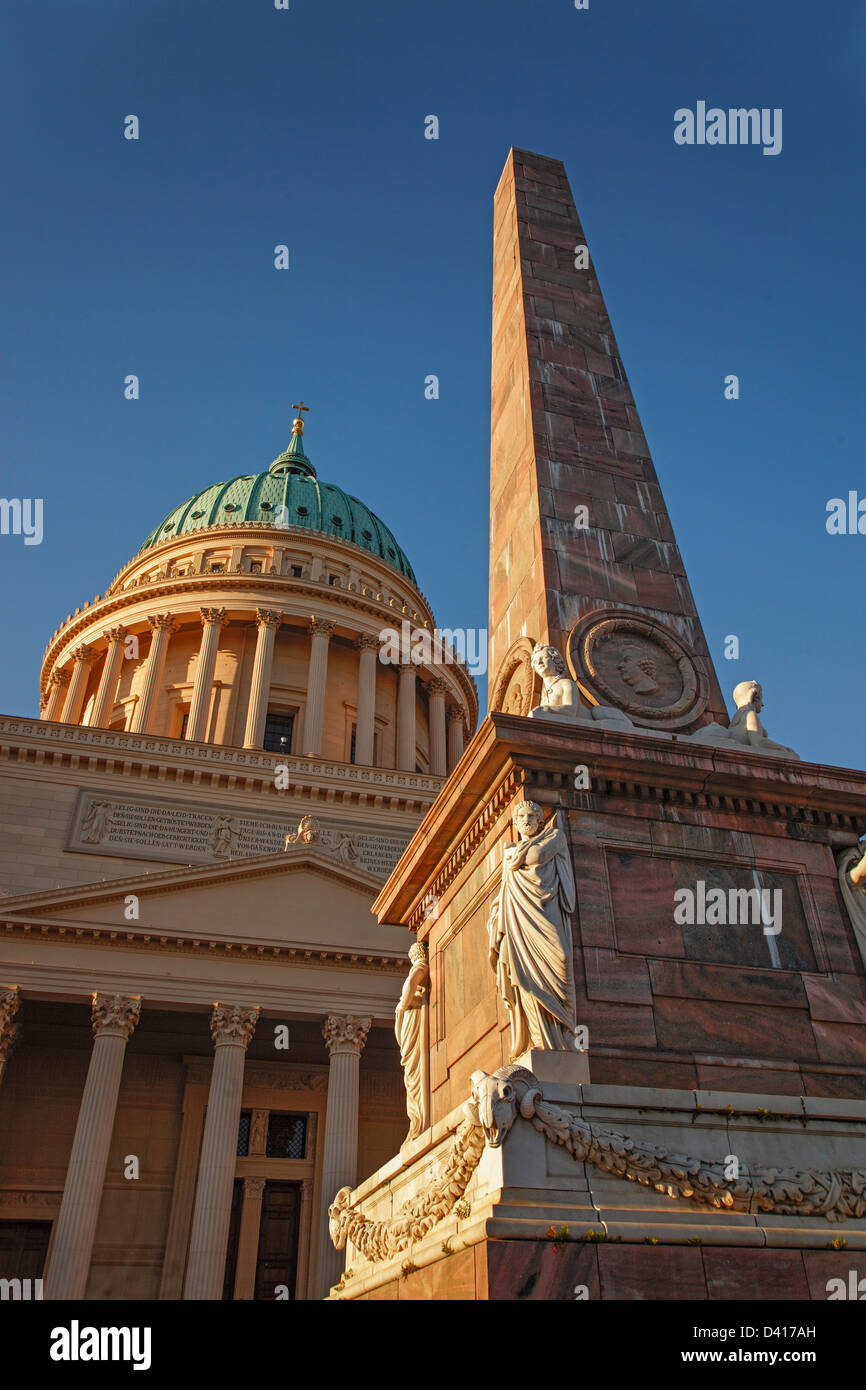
{"points": [[745, 729], [530, 946], [560, 697], [97, 822], [410, 1027], [852, 881]]}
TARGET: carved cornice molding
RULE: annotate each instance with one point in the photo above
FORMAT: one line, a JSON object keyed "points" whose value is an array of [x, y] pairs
{"points": [[115, 1015], [73, 934], [346, 1033], [233, 1025]]}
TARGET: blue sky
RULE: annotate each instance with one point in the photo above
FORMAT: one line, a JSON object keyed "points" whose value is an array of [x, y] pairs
{"points": [[306, 127]]}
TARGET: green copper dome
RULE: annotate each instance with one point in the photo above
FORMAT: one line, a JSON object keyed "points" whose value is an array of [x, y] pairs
{"points": [[288, 495]]}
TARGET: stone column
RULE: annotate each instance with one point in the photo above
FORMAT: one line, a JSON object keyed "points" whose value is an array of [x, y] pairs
{"points": [[58, 682], [345, 1036], [267, 623], [231, 1029], [365, 729], [248, 1238], [100, 716], [406, 718], [10, 1002], [305, 1227], [213, 620], [321, 630], [114, 1017], [438, 689], [162, 626], [83, 658], [455, 736]]}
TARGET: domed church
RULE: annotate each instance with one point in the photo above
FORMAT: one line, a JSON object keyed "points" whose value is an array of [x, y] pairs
{"points": [[196, 1003]]}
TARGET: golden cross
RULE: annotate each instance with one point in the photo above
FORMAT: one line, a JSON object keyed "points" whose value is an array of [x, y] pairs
{"points": [[298, 426], [300, 407]]}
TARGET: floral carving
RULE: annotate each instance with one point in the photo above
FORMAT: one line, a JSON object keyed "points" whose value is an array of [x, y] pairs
{"points": [[115, 1015]]}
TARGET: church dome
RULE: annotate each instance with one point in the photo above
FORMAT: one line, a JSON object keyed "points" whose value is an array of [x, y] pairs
{"points": [[288, 495]]}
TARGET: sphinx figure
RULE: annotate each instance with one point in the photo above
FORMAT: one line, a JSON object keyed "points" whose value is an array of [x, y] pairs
{"points": [[410, 1028], [529, 930], [560, 697], [745, 729], [852, 880]]}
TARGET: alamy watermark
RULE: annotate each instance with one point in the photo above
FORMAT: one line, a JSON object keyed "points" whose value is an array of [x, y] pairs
{"points": [[443, 646], [737, 907], [22, 516], [736, 126]]}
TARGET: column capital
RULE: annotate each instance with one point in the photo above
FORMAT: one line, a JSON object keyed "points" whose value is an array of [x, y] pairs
{"points": [[366, 642], [407, 668], [254, 1187], [268, 617], [114, 634], [233, 1024], [215, 616], [10, 1003], [162, 620], [345, 1033], [115, 1015], [84, 653], [438, 686], [455, 715], [322, 627], [60, 676]]}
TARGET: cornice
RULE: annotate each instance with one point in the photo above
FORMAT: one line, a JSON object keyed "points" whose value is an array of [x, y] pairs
{"points": [[162, 762], [76, 933], [509, 752]]}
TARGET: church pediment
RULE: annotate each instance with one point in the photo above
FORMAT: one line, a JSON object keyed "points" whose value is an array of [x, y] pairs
{"points": [[300, 898]]}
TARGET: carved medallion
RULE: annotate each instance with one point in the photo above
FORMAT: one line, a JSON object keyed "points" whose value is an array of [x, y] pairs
{"points": [[637, 665], [517, 688]]}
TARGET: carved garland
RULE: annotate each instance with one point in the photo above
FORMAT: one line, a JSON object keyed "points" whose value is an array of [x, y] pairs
{"points": [[836, 1194]]}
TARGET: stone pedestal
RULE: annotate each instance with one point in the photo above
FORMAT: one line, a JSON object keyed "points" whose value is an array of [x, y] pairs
{"points": [[114, 1017]]}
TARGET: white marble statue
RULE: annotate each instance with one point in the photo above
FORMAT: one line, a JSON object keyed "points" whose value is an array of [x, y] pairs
{"points": [[745, 729], [560, 697], [410, 1020], [530, 934], [852, 881]]}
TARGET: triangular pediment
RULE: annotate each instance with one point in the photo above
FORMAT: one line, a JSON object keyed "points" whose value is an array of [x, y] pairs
{"points": [[304, 898]]}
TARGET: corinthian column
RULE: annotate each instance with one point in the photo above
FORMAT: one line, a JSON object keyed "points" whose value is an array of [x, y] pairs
{"points": [[345, 1036], [368, 648], [314, 713], [161, 625], [100, 716], [57, 685], [438, 689], [212, 620], [267, 623], [83, 658], [10, 1002], [114, 1017], [455, 736], [406, 718], [231, 1029]]}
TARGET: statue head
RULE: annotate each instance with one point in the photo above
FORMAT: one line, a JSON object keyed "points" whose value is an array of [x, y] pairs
{"points": [[418, 953], [528, 818], [547, 661], [638, 670], [749, 693]]}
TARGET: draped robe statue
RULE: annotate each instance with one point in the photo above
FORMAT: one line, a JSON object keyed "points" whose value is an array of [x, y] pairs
{"points": [[530, 935], [410, 1021], [852, 881]]}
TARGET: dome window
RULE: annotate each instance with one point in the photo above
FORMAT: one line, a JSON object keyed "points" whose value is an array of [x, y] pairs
{"points": [[368, 535], [266, 506], [391, 552], [169, 526], [338, 522], [303, 511], [195, 515], [231, 507]]}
